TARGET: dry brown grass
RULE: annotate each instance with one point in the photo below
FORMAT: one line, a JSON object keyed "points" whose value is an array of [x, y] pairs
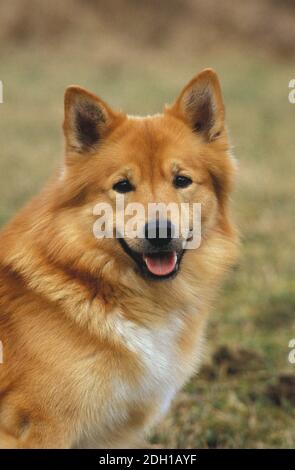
{"points": [[193, 25]]}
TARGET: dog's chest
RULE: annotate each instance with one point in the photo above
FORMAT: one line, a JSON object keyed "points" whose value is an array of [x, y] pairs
{"points": [[158, 366], [158, 352]]}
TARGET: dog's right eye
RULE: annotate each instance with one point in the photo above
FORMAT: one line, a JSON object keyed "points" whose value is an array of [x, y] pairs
{"points": [[123, 186]]}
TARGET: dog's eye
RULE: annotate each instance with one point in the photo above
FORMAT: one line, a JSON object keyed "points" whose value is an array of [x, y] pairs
{"points": [[123, 186], [181, 181]]}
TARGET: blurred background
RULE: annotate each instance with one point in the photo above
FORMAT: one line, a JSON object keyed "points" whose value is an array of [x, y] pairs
{"points": [[137, 55]]}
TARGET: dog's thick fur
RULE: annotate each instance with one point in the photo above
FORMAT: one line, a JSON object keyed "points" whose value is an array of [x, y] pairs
{"points": [[93, 352]]}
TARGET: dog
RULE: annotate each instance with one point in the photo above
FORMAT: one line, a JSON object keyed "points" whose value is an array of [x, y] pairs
{"points": [[99, 334]]}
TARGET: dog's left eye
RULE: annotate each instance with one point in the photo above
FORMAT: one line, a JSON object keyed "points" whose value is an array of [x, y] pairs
{"points": [[181, 181], [123, 186]]}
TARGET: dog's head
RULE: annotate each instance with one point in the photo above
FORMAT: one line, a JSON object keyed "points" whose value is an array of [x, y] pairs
{"points": [[178, 157]]}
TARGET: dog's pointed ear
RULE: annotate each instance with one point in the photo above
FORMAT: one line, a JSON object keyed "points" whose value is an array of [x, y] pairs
{"points": [[88, 119], [200, 105]]}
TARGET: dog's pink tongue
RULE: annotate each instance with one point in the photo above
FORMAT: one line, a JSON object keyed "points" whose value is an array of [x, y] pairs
{"points": [[161, 265]]}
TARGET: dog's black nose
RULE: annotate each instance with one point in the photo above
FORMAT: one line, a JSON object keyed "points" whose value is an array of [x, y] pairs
{"points": [[159, 232]]}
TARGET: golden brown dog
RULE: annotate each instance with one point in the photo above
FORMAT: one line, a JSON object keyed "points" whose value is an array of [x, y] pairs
{"points": [[94, 348]]}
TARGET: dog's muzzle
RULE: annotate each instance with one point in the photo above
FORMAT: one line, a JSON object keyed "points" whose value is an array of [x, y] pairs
{"points": [[158, 253]]}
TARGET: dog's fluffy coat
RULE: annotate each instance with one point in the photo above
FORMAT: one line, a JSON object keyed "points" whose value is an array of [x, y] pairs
{"points": [[93, 351]]}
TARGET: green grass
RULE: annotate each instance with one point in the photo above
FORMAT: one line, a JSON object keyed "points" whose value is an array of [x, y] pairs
{"points": [[229, 404]]}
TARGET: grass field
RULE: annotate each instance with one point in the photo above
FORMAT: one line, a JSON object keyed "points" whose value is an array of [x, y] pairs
{"points": [[245, 393]]}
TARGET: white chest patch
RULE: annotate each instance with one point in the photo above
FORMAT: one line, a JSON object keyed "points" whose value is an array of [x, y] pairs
{"points": [[157, 350], [165, 368]]}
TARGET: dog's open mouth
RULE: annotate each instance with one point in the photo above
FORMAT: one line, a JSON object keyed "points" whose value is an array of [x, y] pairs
{"points": [[161, 264], [155, 265]]}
